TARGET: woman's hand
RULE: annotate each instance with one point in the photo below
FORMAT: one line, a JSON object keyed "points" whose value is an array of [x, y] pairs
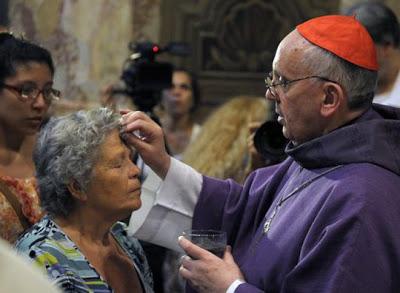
{"points": [[207, 272], [147, 137]]}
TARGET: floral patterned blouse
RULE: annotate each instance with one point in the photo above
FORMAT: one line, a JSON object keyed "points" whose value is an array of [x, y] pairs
{"points": [[53, 251], [25, 190]]}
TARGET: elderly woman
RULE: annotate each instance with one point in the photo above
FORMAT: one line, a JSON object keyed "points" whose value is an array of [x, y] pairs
{"points": [[87, 182]]}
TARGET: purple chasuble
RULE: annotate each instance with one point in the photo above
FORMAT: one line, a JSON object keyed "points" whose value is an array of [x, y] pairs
{"points": [[332, 211]]}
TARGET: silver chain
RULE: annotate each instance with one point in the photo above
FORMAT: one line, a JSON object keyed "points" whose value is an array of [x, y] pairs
{"points": [[268, 222]]}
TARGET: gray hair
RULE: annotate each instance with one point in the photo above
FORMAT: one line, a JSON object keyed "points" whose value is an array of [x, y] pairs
{"points": [[67, 150], [380, 21], [359, 83]]}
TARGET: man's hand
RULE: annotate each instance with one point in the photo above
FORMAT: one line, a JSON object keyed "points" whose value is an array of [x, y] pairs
{"points": [[147, 137], [207, 272]]}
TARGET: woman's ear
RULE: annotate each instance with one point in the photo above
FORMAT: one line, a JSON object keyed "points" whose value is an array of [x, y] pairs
{"points": [[333, 99], [76, 190]]}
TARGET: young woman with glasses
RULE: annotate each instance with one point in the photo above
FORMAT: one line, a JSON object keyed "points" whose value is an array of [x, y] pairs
{"points": [[26, 93]]}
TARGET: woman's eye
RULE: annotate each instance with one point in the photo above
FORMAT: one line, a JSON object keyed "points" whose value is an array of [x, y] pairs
{"points": [[117, 165]]}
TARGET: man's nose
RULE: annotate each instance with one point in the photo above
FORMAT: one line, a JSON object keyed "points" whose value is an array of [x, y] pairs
{"points": [[269, 96]]}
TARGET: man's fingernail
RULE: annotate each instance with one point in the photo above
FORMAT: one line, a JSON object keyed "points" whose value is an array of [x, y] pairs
{"points": [[182, 258]]}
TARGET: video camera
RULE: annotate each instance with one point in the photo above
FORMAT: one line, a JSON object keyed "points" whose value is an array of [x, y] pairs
{"points": [[145, 78]]}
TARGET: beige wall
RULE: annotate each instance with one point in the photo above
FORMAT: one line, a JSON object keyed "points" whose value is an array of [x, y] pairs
{"points": [[88, 38]]}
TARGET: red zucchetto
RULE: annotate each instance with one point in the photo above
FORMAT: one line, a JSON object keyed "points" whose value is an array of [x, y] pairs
{"points": [[343, 36]]}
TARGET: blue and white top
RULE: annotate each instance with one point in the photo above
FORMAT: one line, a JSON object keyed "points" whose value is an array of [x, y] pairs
{"points": [[50, 248]]}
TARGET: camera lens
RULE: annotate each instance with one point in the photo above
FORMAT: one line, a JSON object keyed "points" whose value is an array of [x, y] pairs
{"points": [[270, 142]]}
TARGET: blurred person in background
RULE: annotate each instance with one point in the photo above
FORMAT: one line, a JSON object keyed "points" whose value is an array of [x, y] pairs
{"points": [[221, 149], [178, 106], [383, 26], [4, 21], [26, 93]]}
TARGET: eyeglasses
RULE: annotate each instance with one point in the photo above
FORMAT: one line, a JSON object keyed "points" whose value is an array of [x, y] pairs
{"points": [[29, 93], [284, 84]]}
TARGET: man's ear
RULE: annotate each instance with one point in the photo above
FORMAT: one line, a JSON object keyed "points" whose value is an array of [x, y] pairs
{"points": [[334, 98], [76, 190]]}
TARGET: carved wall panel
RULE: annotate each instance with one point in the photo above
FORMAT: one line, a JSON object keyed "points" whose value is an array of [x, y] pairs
{"points": [[233, 41]]}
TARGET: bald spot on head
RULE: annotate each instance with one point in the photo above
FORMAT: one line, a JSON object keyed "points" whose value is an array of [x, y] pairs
{"points": [[295, 47]]}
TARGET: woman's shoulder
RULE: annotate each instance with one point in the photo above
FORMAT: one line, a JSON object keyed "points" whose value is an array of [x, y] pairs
{"points": [[41, 235], [131, 244], [46, 245]]}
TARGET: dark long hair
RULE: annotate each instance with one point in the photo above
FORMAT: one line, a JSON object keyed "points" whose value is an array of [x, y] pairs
{"points": [[17, 51]]}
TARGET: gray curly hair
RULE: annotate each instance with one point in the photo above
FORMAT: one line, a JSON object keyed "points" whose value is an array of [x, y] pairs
{"points": [[67, 150]]}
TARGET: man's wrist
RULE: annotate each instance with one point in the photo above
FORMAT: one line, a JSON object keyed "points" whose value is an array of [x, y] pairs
{"points": [[163, 169]]}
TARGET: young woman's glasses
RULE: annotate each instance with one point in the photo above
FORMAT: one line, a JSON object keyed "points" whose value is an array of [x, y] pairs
{"points": [[30, 93]]}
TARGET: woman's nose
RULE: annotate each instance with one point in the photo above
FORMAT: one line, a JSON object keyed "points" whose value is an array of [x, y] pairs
{"points": [[176, 91], [39, 102], [134, 170]]}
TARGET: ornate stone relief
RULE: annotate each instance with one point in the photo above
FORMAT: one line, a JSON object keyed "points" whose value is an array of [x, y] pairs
{"points": [[233, 41]]}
